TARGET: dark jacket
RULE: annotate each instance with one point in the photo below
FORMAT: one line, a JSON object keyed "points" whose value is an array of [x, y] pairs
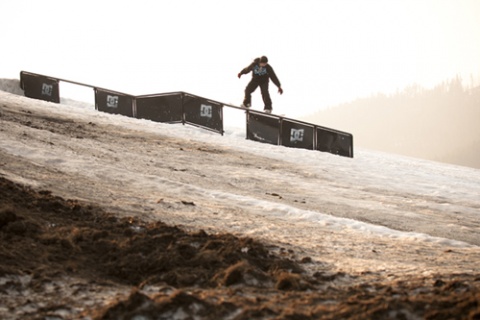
{"points": [[261, 74]]}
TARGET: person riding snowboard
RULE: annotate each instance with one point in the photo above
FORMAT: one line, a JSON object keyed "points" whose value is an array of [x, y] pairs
{"points": [[262, 72]]}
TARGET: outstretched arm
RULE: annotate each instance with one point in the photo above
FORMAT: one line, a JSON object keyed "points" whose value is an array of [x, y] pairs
{"points": [[246, 69]]}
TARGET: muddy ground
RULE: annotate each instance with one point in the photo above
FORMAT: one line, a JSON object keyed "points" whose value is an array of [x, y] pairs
{"points": [[64, 259], [82, 246]]}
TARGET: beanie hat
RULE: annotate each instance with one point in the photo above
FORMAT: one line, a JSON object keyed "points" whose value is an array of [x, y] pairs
{"points": [[263, 59]]}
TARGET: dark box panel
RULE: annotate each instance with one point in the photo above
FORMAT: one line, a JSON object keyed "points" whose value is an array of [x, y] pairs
{"points": [[263, 128], [160, 108], [335, 142], [202, 112], [297, 135], [113, 102], [40, 87]]}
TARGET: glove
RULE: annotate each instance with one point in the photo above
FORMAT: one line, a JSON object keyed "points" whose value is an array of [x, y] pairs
{"points": [[239, 75], [280, 90]]}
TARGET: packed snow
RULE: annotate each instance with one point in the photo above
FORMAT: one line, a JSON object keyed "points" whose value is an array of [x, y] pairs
{"points": [[375, 212]]}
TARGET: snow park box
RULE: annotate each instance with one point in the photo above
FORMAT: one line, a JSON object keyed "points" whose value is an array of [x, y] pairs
{"points": [[40, 87], [165, 107], [203, 113], [182, 107], [113, 102]]}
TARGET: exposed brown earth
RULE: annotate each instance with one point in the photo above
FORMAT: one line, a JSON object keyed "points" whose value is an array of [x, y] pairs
{"points": [[63, 259]]}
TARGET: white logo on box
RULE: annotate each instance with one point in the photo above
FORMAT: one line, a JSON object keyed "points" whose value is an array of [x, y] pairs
{"points": [[296, 135], [112, 101], [205, 111], [47, 89]]}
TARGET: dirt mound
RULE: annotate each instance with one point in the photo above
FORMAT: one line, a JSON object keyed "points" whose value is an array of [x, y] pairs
{"points": [[54, 232], [63, 259], [390, 302]]}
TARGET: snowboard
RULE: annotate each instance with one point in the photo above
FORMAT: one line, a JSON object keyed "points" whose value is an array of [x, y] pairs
{"points": [[260, 111]]}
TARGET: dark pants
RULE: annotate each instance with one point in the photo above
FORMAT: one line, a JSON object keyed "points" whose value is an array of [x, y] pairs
{"points": [[251, 87]]}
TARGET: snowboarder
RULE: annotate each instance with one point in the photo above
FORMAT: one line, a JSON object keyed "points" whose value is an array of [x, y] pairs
{"points": [[261, 73]]}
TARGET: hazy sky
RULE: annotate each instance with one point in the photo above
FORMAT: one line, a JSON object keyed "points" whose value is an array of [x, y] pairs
{"points": [[324, 52]]}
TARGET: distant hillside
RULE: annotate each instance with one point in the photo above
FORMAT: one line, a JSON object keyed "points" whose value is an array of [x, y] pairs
{"points": [[441, 124]]}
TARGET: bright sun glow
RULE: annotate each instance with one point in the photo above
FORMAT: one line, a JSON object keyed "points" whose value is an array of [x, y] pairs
{"points": [[324, 52]]}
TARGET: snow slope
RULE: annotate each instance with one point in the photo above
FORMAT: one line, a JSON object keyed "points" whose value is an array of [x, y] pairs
{"points": [[376, 214]]}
